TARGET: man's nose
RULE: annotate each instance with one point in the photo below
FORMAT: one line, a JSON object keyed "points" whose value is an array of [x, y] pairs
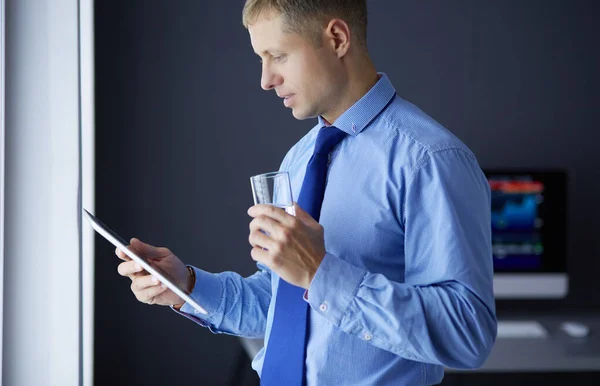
{"points": [[269, 79]]}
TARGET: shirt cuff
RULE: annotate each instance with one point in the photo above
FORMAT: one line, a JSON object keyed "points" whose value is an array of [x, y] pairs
{"points": [[207, 292], [334, 287]]}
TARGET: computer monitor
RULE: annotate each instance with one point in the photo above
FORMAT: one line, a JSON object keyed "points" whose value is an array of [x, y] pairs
{"points": [[529, 233]]}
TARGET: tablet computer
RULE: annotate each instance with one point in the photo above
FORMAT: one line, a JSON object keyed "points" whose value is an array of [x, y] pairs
{"points": [[161, 275]]}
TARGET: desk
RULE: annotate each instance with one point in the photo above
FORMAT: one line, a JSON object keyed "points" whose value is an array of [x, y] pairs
{"points": [[556, 353]]}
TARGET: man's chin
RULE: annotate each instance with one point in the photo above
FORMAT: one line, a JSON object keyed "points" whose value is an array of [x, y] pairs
{"points": [[302, 114]]}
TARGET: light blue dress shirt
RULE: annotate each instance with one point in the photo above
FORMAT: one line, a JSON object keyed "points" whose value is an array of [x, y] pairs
{"points": [[406, 285]]}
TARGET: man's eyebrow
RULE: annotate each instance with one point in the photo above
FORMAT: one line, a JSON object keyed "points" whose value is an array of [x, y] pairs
{"points": [[268, 52]]}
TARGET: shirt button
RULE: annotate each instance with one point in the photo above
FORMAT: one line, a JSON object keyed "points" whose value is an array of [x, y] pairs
{"points": [[367, 336], [323, 307]]}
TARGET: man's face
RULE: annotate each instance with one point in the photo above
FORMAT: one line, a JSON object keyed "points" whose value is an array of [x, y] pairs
{"points": [[306, 77]]}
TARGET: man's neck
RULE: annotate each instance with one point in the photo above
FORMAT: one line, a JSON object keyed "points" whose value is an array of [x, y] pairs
{"points": [[360, 82]]}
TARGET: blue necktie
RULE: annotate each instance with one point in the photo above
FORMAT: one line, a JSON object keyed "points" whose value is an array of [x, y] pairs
{"points": [[286, 351]]}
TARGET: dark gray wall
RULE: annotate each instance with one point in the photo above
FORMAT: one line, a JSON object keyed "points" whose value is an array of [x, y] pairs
{"points": [[182, 123]]}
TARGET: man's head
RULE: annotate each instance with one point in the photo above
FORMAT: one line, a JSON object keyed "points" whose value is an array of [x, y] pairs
{"points": [[311, 50]]}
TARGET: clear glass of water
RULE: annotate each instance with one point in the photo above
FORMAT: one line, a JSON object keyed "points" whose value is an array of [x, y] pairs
{"points": [[275, 189]]}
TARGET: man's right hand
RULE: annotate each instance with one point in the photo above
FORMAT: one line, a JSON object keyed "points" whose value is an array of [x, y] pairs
{"points": [[146, 288]]}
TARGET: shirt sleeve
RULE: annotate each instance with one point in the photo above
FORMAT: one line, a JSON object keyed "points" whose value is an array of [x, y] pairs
{"points": [[235, 305], [444, 312]]}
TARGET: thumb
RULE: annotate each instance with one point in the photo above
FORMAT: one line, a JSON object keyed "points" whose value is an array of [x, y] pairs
{"points": [[144, 249], [302, 215]]}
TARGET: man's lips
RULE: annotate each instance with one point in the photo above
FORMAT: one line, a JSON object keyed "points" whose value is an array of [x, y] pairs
{"points": [[287, 99]]}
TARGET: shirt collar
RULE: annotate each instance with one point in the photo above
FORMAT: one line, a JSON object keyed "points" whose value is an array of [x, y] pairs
{"points": [[360, 114]]}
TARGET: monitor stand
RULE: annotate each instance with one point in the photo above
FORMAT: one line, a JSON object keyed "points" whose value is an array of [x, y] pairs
{"points": [[521, 329]]}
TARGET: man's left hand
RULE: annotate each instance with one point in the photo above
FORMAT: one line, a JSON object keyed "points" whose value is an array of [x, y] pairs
{"points": [[293, 247]]}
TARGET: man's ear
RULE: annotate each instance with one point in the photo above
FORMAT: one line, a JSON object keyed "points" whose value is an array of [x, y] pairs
{"points": [[337, 35]]}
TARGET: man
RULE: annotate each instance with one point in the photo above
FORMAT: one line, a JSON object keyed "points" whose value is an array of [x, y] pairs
{"points": [[394, 281]]}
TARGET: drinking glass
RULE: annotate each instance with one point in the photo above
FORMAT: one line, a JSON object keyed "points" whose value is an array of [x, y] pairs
{"points": [[273, 188]]}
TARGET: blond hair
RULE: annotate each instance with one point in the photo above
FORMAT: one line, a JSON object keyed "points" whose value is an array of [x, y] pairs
{"points": [[309, 17]]}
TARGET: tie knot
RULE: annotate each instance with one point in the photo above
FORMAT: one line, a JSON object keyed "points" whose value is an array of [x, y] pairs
{"points": [[328, 137]]}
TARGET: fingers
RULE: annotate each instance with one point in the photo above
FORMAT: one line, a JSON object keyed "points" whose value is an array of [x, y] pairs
{"points": [[148, 250], [121, 255], [259, 239], [141, 283], [260, 255], [144, 286], [147, 288], [267, 224], [129, 268], [271, 211]]}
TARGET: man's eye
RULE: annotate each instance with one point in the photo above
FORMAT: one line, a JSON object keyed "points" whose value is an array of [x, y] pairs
{"points": [[279, 58]]}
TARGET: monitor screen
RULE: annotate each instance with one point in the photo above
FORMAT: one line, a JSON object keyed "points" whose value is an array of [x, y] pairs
{"points": [[529, 230]]}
